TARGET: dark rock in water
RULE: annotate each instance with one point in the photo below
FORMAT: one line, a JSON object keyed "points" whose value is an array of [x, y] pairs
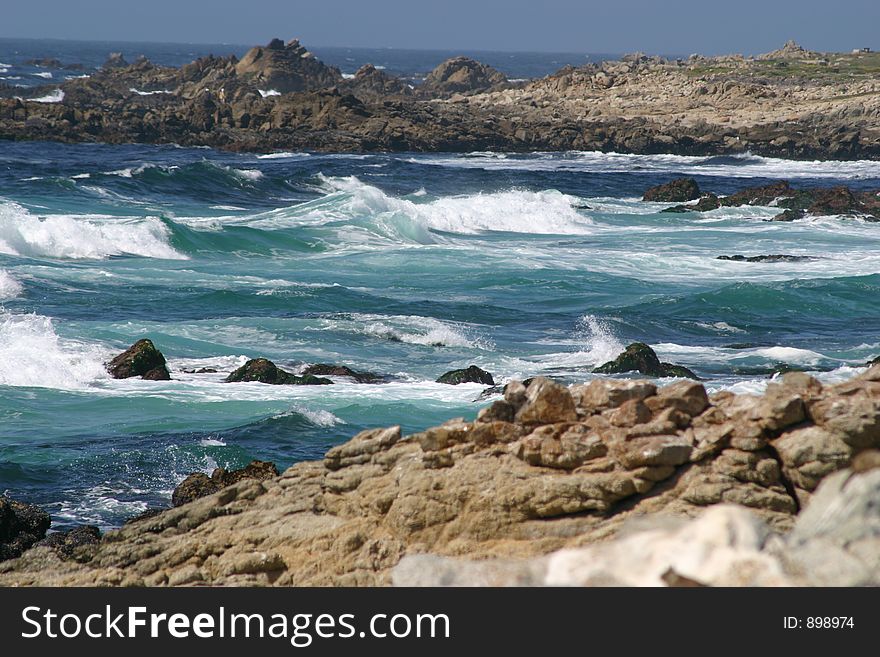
{"points": [[198, 484], [775, 257], [115, 60], [285, 68], [201, 370], [263, 370], [761, 195], [323, 369], [746, 345], [639, 357], [462, 75], [678, 209], [140, 359], [66, 543], [708, 202], [790, 215], [875, 361], [680, 190], [472, 374], [21, 526]]}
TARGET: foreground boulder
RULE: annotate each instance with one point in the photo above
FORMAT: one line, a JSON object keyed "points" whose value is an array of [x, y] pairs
{"points": [[21, 526], [677, 191], [66, 543], [263, 370], [639, 357], [471, 374], [546, 468], [140, 359], [198, 484]]}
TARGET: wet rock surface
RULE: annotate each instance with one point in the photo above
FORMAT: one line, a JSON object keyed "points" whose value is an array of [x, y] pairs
{"points": [[471, 374], [141, 359], [746, 481], [263, 370], [21, 526], [639, 357], [198, 484]]}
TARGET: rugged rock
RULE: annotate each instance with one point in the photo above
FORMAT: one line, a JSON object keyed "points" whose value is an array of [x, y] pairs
{"points": [[140, 359], [371, 83], [546, 468], [462, 75], [198, 484], [285, 68], [471, 374], [66, 543], [263, 370], [324, 369], [776, 257], [639, 357], [115, 60], [21, 526], [676, 191]]}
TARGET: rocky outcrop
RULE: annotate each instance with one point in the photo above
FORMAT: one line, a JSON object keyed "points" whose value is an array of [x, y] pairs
{"points": [[676, 191], [470, 374], [263, 370], [115, 60], [140, 359], [639, 357], [66, 543], [21, 526], [198, 484], [462, 75], [546, 468], [285, 68], [372, 83], [324, 369]]}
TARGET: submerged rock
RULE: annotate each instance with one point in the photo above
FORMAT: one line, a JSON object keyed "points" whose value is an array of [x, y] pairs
{"points": [[639, 357], [676, 191], [198, 484], [323, 369], [263, 370], [21, 526], [776, 257], [140, 359], [472, 374]]}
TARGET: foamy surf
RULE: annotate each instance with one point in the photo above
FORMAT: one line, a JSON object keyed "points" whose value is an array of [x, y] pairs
{"points": [[23, 233]]}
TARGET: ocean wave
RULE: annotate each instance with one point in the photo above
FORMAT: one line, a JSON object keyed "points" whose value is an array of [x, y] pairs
{"points": [[9, 287], [46, 75], [53, 97], [283, 155], [149, 169], [735, 166], [33, 355], [409, 329], [320, 417], [82, 236]]}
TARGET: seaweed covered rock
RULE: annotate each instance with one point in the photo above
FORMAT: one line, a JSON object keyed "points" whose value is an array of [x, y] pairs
{"points": [[198, 484], [639, 357], [66, 543], [471, 374], [263, 370], [140, 359], [680, 190], [21, 526]]}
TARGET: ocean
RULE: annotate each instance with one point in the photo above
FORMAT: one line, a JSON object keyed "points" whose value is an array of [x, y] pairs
{"points": [[406, 265]]}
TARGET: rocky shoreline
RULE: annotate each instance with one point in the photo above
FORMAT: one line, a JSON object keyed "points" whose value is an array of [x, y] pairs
{"points": [[637, 484], [791, 103]]}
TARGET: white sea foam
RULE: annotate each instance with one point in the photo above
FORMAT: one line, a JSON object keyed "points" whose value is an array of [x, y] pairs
{"points": [[269, 92], [247, 174], [32, 354], [9, 287], [319, 417], [348, 76], [410, 329], [211, 442], [55, 96], [81, 236], [739, 166], [149, 93], [284, 155], [598, 339], [45, 75]]}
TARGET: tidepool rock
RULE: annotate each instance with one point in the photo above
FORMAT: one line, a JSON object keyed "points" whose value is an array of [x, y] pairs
{"points": [[263, 370], [472, 374], [140, 359], [21, 526], [639, 357], [66, 543], [324, 369], [198, 484], [680, 190]]}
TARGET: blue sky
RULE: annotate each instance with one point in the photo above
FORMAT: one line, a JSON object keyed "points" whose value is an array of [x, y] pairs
{"points": [[613, 26]]}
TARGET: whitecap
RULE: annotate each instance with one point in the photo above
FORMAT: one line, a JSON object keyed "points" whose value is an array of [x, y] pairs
{"points": [[9, 286], [269, 92], [53, 97]]}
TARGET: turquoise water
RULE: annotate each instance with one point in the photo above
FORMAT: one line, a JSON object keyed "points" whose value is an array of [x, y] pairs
{"points": [[404, 265]]}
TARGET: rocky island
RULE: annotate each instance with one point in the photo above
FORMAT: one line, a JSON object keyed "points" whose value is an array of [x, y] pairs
{"points": [[791, 103]]}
